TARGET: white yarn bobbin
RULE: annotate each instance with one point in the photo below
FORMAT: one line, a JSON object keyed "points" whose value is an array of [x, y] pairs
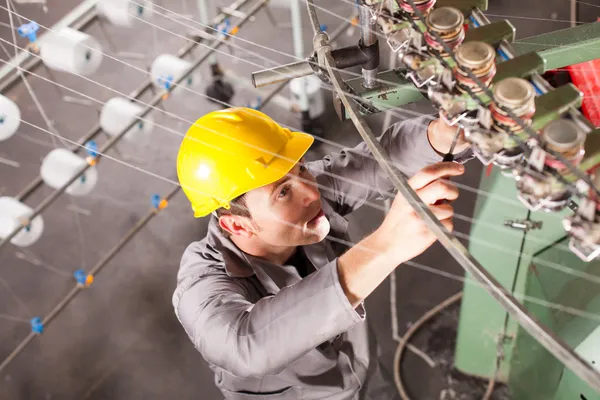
{"points": [[10, 118], [124, 13], [72, 51], [60, 165], [13, 214], [167, 69], [118, 113]]}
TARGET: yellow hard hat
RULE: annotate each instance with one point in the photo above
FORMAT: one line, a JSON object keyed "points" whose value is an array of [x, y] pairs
{"points": [[229, 152]]}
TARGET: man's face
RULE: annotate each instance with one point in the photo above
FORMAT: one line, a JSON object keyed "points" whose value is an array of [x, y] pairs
{"points": [[288, 212]]}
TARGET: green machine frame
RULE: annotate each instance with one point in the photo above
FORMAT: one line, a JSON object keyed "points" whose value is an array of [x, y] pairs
{"points": [[533, 263]]}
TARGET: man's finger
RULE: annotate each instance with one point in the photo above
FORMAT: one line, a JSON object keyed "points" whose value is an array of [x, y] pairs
{"points": [[435, 171], [438, 190], [442, 211], [449, 224]]}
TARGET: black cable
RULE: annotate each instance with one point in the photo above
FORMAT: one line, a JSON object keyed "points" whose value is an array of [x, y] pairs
{"points": [[450, 155]]}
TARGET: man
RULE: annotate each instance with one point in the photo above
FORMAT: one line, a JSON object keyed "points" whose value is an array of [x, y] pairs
{"points": [[272, 297]]}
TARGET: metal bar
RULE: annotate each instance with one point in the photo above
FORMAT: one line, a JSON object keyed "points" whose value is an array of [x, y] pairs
{"points": [[205, 20], [298, 49], [565, 47], [368, 38], [107, 146], [185, 50], [94, 271], [544, 336], [282, 73], [244, 82], [78, 19]]}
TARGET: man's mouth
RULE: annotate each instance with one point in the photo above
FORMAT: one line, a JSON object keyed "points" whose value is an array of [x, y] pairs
{"points": [[316, 218]]}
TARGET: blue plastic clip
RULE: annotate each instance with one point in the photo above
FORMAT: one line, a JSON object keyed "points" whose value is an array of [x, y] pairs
{"points": [[323, 27], [256, 103], [224, 26], [29, 31], [155, 200], [92, 148], [165, 81], [80, 277], [36, 325]]}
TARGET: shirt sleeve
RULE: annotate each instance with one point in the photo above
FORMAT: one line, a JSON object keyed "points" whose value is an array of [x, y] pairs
{"points": [[353, 177], [256, 339]]}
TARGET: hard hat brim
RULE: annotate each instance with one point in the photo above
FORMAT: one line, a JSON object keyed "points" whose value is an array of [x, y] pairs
{"points": [[283, 163]]}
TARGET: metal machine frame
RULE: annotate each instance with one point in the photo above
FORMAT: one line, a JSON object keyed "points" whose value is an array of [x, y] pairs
{"points": [[511, 328]]}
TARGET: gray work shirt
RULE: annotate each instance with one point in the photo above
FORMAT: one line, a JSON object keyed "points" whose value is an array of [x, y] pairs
{"points": [[266, 332]]}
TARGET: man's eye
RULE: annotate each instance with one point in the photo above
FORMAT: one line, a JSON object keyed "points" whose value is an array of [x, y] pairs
{"points": [[283, 192], [302, 168]]}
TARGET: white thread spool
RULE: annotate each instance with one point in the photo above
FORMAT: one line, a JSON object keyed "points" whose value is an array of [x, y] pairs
{"points": [[167, 67], [10, 118], [60, 165], [125, 13], [72, 51], [118, 113], [316, 102], [13, 214]]}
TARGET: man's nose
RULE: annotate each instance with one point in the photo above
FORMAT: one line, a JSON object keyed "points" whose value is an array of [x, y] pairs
{"points": [[310, 192]]}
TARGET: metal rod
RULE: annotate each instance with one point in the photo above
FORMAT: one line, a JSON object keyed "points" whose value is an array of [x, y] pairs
{"points": [[543, 335], [243, 81], [368, 38], [108, 145], [282, 73], [94, 271], [204, 20], [186, 49], [299, 49]]}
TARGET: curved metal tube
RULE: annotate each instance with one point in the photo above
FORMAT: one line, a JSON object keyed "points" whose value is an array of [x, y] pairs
{"points": [[543, 335]]}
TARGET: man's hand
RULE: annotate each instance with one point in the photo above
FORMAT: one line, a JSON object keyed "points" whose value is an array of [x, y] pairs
{"points": [[401, 236], [404, 233], [441, 135]]}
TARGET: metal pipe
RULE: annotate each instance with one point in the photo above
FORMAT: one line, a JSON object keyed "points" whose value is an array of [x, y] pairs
{"points": [[368, 38], [345, 57], [107, 146], [367, 33], [185, 50], [243, 81], [204, 19], [543, 335], [299, 49], [281, 74]]}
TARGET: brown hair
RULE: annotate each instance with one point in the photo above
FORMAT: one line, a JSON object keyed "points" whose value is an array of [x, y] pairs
{"points": [[238, 207]]}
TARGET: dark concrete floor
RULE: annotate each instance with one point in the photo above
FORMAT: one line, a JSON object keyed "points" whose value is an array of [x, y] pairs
{"points": [[120, 339]]}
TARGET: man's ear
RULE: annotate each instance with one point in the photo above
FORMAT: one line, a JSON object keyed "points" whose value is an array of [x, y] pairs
{"points": [[237, 225]]}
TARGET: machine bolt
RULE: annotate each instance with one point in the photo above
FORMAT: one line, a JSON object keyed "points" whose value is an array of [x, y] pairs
{"points": [[524, 225]]}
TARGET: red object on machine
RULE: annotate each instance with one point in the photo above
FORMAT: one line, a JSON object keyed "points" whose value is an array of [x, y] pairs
{"points": [[586, 76]]}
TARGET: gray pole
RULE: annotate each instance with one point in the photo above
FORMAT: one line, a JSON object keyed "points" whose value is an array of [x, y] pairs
{"points": [[368, 38]]}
